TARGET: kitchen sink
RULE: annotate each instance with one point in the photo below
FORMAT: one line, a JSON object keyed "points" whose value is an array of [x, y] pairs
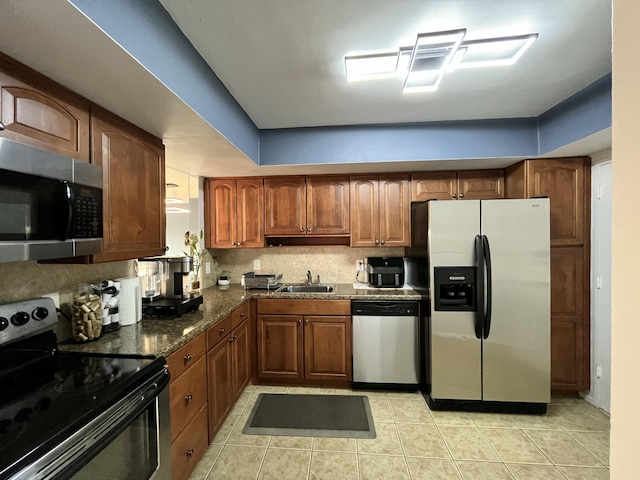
{"points": [[306, 288]]}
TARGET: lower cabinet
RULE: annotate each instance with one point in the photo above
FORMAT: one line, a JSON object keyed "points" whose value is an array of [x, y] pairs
{"points": [[228, 365], [302, 341], [188, 400]]}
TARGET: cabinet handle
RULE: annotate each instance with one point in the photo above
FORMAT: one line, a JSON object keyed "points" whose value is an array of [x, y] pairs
{"points": [[461, 195], [309, 229], [377, 241], [232, 338], [242, 315], [382, 242], [306, 321], [233, 244], [188, 398], [188, 358], [453, 195], [221, 330], [299, 321], [190, 452], [238, 244], [302, 229]]}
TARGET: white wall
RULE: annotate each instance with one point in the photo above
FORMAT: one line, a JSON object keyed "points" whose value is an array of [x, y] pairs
{"points": [[625, 295], [601, 194]]}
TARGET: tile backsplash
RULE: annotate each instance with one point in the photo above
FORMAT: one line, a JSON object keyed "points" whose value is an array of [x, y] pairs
{"points": [[333, 264]]}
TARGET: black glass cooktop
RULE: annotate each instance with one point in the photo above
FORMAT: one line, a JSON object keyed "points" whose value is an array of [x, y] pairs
{"points": [[46, 395]]}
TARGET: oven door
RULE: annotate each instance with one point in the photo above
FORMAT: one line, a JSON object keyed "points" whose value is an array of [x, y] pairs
{"points": [[130, 440]]}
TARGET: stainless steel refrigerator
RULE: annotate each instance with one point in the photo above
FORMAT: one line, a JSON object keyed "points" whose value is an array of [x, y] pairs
{"points": [[487, 337]]}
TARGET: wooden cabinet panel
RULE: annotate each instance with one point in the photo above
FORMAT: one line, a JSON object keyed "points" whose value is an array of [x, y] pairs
{"points": [[395, 211], [327, 347], [240, 359], [219, 385], [240, 314], [433, 185], [481, 184], [380, 211], [280, 346], [365, 224], [278, 306], [285, 200], [186, 356], [221, 213], [327, 206], [218, 332], [250, 212], [569, 343], [563, 182], [134, 188], [189, 447], [36, 111], [188, 393]]}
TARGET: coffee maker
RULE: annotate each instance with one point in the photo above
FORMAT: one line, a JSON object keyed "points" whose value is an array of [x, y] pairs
{"points": [[165, 286]]}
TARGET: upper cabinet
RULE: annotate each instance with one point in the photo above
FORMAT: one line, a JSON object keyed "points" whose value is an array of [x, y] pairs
{"points": [[234, 213], [307, 206], [563, 181], [38, 112], [380, 210], [462, 185], [134, 188]]}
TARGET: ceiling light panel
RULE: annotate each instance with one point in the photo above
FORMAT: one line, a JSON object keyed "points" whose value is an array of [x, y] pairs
{"points": [[371, 67], [495, 51]]}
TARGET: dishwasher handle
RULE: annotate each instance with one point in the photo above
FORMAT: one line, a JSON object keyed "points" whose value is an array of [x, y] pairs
{"points": [[385, 308]]}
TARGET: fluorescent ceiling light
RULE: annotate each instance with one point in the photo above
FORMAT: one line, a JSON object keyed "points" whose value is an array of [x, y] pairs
{"points": [[494, 51], [423, 66], [173, 198], [430, 59]]}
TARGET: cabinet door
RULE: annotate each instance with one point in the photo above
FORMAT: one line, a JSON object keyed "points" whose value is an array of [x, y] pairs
{"points": [[563, 181], [285, 200], [189, 447], [480, 184], [327, 347], [219, 382], [37, 112], [250, 213], [280, 346], [365, 224], [221, 213], [433, 185], [134, 189], [327, 206], [395, 211], [569, 331], [240, 365]]}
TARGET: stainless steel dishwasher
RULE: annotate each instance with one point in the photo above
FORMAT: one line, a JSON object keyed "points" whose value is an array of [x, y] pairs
{"points": [[385, 344]]}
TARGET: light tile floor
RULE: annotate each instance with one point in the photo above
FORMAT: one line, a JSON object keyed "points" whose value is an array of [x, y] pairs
{"points": [[570, 442]]}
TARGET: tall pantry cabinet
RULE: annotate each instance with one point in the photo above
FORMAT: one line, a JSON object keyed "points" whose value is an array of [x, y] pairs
{"points": [[566, 181]]}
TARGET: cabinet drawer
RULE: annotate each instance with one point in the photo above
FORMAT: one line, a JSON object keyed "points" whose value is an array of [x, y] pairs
{"points": [[185, 356], [188, 393], [189, 447], [304, 307], [240, 314], [219, 332]]}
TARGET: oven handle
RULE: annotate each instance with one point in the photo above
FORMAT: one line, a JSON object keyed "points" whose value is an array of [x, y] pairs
{"points": [[68, 457]]}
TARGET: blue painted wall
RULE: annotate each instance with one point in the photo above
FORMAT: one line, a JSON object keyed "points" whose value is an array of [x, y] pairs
{"points": [[145, 30], [403, 142]]}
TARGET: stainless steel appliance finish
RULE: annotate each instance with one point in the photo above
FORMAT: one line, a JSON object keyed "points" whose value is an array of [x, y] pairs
{"points": [[385, 272], [51, 204], [385, 344], [489, 283]]}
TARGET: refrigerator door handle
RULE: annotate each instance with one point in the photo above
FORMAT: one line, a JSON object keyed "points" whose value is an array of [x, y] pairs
{"points": [[487, 258], [480, 263]]}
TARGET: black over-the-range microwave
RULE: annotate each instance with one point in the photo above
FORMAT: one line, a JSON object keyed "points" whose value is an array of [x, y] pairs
{"points": [[50, 205]]}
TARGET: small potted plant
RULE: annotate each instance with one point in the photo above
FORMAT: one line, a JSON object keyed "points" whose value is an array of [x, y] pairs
{"points": [[223, 278], [197, 254]]}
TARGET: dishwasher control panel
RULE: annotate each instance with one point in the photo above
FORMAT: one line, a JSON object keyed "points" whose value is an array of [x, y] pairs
{"points": [[385, 308]]}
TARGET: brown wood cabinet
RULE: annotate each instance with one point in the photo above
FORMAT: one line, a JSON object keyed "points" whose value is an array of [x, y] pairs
{"points": [[304, 342], [36, 111], [234, 212], [380, 210], [566, 181], [229, 357], [307, 206], [134, 188], [461, 185], [188, 406]]}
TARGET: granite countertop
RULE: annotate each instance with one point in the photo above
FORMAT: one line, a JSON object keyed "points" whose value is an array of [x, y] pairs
{"points": [[164, 336]]}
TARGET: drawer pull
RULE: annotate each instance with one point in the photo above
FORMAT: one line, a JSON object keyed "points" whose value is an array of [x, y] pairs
{"points": [[188, 358], [188, 398], [221, 330], [242, 314], [190, 452]]}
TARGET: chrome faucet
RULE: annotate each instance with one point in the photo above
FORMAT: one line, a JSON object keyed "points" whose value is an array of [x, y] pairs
{"points": [[309, 278]]}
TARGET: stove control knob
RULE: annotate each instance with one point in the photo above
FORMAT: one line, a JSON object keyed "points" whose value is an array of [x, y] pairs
{"points": [[40, 313], [20, 318], [4, 323]]}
